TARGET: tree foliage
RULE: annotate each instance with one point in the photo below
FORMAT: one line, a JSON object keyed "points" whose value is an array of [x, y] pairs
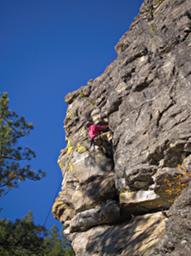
{"points": [[24, 238], [56, 245], [14, 166]]}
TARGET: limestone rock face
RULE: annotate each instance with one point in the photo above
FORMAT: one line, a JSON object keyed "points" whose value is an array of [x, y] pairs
{"points": [[134, 238], [117, 196], [177, 238]]}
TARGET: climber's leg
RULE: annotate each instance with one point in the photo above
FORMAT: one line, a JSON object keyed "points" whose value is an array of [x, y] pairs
{"points": [[92, 145]]}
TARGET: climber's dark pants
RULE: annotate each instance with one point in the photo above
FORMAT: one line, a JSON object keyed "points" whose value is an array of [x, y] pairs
{"points": [[104, 145], [92, 143]]}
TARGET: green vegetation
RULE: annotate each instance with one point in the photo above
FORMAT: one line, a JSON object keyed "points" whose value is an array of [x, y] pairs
{"points": [[14, 158], [24, 238]]}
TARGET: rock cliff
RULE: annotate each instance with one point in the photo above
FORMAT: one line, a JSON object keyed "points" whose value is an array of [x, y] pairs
{"points": [[129, 192]]}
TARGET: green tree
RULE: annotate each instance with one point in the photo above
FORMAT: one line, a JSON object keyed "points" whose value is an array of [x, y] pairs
{"points": [[21, 238], [14, 166], [24, 238], [55, 244]]}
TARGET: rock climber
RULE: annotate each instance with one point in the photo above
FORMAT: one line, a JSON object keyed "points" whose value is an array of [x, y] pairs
{"points": [[95, 130], [98, 131]]}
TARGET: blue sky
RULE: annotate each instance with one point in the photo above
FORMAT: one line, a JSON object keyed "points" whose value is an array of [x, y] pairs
{"points": [[47, 49]]}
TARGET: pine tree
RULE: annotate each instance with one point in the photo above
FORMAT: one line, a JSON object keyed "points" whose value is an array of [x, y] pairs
{"points": [[24, 238], [56, 245], [21, 238], [14, 159]]}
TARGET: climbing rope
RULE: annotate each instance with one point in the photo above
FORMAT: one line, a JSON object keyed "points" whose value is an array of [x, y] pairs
{"points": [[49, 211]]}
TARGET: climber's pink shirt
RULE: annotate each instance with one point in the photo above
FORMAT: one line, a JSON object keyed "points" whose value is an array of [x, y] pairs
{"points": [[94, 130]]}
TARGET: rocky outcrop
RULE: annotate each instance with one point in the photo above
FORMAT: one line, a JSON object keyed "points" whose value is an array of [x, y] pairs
{"points": [[117, 196]]}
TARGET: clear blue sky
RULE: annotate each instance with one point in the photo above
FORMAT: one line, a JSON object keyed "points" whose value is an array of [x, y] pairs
{"points": [[47, 49]]}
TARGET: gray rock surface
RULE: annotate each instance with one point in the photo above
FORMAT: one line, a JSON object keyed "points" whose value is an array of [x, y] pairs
{"points": [[107, 214], [135, 238], [142, 163], [177, 239]]}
